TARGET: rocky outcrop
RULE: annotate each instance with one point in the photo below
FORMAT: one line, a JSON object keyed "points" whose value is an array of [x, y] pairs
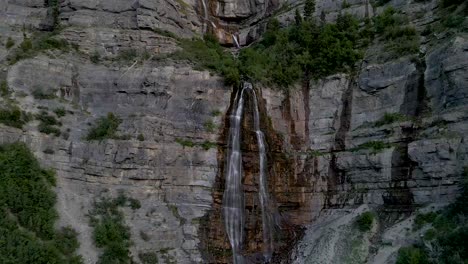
{"points": [[163, 104]]}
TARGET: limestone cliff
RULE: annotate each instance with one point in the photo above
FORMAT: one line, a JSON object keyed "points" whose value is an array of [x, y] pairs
{"points": [[322, 175]]}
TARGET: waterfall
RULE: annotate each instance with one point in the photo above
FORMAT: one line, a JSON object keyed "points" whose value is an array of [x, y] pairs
{"points": [[233, 198], [267, 220], [205, 14], [234, 37]]}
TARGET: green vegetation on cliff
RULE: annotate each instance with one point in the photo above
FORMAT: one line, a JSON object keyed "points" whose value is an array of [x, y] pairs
{"points": [[285, 55], [444, 241], [105, 127], [110, 232], [27, 217]]}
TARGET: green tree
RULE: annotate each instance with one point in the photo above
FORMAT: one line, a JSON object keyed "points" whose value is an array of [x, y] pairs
{"points": [[309, 8]]}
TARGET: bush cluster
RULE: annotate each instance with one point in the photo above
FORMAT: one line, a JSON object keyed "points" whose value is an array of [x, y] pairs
{"points": [[110, 232], [285, 55], [27, 213], [48, 123], [392, 27], [106, 127], [13, 117], [365, 221], [209, 54]]}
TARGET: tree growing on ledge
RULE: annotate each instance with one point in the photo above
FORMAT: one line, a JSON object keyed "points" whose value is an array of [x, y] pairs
{"points": [[309, 8]]}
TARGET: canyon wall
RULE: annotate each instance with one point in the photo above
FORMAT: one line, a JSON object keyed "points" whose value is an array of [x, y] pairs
{"points": [[321, 172]]}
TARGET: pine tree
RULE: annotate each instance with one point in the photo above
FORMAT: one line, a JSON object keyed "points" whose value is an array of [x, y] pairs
{"points": [[309, 8]]}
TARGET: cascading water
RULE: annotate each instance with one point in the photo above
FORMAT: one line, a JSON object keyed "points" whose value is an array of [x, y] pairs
{"points": [[267, 220], [236, 41], [205, 14], [233, 198]]}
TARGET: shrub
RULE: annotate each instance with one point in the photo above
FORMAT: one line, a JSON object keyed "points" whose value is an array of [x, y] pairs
{"points": [[422, 219], [60, 112], [453, 20], [43, 128], [215, 113], [210, 126], [390, 118], [400, 39], [127, 55], [4, 90], [41, 94], [208, 145], [412, 255], [134, 203], [185, 142], [345, 4], [13, 117], [374, 146], [148, 258], [209, 54], [165, 33], [106, 127], [364, 221], [48, 123], [28, 215], [140, 137], [448, 3], [48, 151], [47, 119], [95, 57], [9, 43]]}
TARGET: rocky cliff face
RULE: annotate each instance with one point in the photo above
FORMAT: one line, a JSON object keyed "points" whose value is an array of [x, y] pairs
{"points": [[322, 173]]}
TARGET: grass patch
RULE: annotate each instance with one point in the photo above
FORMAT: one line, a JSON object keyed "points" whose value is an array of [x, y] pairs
{"points": [[165, 33], [215, 113], [390, 118], [374, 146], [105, 127], [28, 216], [365, 221]]}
